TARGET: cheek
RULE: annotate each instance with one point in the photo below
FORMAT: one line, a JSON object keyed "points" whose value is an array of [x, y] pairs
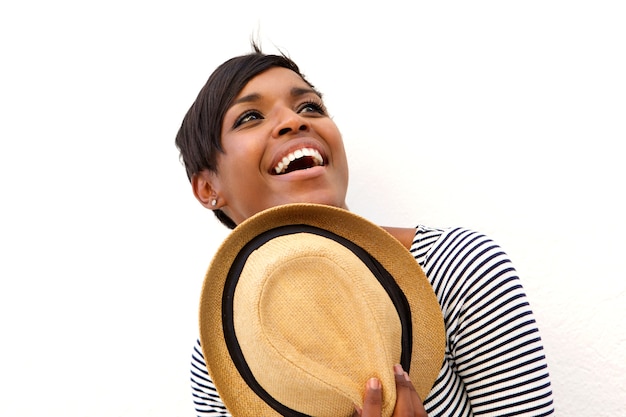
{"points": [[240, 157], [335, 140], [331, 133]]}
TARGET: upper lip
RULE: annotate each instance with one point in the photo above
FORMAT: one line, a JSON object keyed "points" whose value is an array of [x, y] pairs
{"points": [[297, 151]]}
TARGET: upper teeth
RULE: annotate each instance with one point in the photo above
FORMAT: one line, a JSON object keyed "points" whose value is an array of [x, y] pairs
{"points": [[300, 153]]}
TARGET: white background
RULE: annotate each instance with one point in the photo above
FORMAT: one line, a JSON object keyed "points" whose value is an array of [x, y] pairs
{"points": [[506, 117]]}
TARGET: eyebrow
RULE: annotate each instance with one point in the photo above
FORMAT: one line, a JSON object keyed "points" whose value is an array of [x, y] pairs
{"points": [[295, 92], [299, 91]]}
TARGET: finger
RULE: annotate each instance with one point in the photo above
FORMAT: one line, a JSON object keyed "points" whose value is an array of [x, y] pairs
{"points": [[373, 399], [404, 401], [408, 403], [418, 405]]}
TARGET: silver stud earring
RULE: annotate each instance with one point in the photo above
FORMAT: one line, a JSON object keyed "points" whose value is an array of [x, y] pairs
{"points": [[214, 202]]}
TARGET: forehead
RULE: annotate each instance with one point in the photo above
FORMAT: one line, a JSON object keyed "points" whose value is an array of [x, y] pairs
{"points": [[273, 79]]}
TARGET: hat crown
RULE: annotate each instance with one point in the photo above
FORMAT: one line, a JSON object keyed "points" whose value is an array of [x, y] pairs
{"points": [[304, 310]]}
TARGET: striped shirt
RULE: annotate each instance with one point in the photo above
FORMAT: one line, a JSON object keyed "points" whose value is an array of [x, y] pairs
{"points": [[494, 361]]}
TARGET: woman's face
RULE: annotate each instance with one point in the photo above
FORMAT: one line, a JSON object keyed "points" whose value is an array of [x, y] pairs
{"points": [[280, 146]]}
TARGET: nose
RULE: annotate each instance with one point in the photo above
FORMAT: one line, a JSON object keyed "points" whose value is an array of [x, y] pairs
{"points": [[290, 121]]}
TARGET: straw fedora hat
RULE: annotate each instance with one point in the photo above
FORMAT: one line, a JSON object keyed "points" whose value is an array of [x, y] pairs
{"points": [[303, 303]]}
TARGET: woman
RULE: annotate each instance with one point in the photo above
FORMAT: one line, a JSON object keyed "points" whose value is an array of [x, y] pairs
{"points": [[259, 135]]}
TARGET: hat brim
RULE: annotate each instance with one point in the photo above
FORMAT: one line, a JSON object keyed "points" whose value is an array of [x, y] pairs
{"points": [[426, 328]]}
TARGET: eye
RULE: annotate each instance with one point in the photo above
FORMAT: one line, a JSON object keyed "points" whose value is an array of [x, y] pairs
{"points": [[312, 107], [249, 116]]}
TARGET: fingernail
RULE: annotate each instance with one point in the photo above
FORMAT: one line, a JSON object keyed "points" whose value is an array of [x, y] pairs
{"points": [[397, 369], [406, 377], [373, 383]]}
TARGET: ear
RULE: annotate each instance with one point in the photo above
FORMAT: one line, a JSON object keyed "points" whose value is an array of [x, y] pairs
{"points": [[203, 185]]}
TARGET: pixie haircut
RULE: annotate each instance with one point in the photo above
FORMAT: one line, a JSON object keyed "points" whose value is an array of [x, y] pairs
{"points": [[199, 138]]}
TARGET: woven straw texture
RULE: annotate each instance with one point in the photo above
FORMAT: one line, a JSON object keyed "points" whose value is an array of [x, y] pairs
{"points": [[312, 321]]}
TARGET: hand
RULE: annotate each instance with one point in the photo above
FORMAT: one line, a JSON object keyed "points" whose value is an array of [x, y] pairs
{"points": [[408, 402]]}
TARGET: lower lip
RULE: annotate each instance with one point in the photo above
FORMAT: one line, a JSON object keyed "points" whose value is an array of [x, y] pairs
{"points": [[301, 174]]}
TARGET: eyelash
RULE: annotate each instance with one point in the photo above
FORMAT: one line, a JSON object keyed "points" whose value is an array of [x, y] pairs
{"points": [[241, 119], [317, 106]]}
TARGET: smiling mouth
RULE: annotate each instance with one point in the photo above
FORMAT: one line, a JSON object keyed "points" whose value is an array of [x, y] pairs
{"points": [[304, 158]]}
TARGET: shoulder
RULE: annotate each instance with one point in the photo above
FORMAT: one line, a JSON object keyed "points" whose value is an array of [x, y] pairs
{"points": [[451, 244], [463, 265], [434, 245]]}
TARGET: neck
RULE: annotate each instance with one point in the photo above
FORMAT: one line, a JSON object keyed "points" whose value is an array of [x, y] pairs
{"points": [[404, 235]]}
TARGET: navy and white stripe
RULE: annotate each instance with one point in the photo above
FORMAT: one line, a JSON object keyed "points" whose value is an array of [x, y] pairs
{"points": [[205, 397], [494, 362]]}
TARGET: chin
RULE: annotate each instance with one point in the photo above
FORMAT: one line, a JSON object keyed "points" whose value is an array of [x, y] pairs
{"points": [[319, 198]]}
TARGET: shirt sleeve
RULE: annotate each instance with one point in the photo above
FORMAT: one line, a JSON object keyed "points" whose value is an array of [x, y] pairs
{"points": [[494, 351], [206, 400]]}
